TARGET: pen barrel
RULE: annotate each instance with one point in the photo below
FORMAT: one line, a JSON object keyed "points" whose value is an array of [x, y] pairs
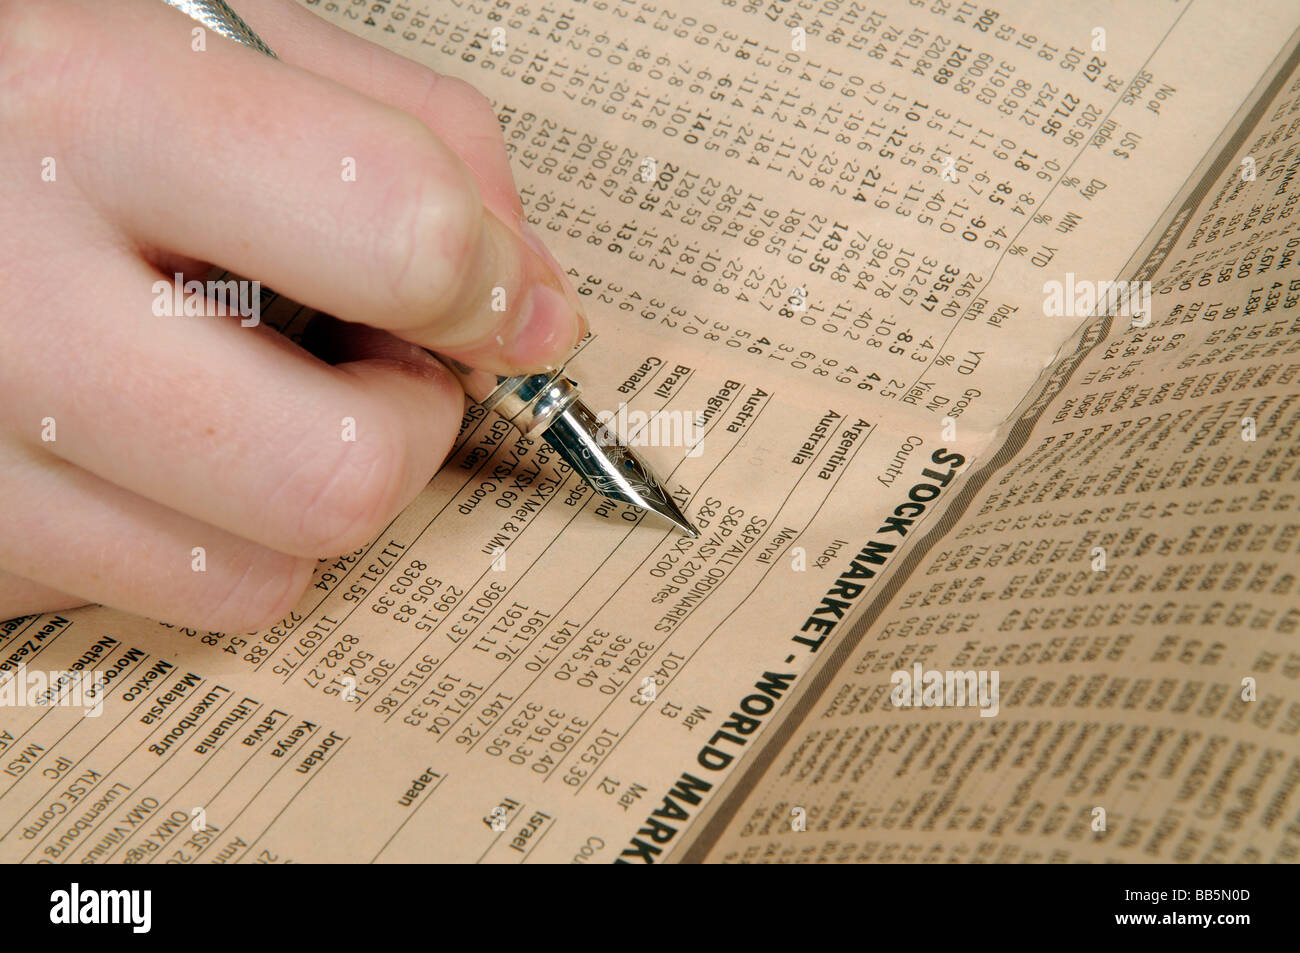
{"points": [[530, 402]]}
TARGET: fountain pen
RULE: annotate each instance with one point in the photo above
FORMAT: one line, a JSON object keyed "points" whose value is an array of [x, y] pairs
{"points": [[546, 405]]}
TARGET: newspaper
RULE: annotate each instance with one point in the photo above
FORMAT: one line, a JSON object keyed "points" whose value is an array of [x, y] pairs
{"points": [[983, 324]]}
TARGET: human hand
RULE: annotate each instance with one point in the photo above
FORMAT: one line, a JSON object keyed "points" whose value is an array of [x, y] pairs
{"points": [[131, 442]]}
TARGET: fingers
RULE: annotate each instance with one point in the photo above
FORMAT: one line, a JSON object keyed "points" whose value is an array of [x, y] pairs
{"points": [[338, 201], [78, 534], [458, 113], [199, 465], [236, 427]]}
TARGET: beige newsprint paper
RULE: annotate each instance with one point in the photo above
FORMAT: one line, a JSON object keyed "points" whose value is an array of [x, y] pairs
{"points": [[865, 247]]}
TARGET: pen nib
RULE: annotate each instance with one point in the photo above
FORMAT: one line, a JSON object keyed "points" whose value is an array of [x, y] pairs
{"points": [[612, 469]]}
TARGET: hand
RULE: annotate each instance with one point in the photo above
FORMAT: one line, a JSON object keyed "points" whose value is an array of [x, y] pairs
{"points": [[193, 468]]}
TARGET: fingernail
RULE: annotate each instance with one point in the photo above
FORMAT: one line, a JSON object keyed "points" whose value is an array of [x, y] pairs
{"points": [[545, 333], [534, 241]]}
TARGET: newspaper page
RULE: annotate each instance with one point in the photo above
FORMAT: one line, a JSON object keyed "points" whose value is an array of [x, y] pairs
{"points": [[814, 238], [1123, 567]]}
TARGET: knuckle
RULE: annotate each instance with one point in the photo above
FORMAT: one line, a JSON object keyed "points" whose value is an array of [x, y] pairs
{"points": [[347, 496], [430, 227]]}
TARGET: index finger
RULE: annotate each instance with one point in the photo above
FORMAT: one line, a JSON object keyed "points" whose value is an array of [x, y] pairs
{"points": [[341, 202]]}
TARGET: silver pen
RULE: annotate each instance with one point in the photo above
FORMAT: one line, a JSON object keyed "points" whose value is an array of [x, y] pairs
{"points": [[546, 405]]}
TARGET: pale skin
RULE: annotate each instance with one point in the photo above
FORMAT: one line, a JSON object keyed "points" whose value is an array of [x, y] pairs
{"points": [[175, 432]]}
